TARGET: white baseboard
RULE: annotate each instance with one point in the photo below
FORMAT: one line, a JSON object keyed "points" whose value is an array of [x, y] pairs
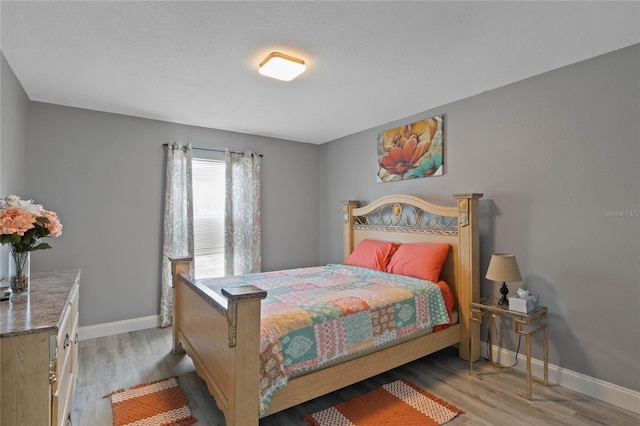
{"points": [[117, 327], [596, 388]]}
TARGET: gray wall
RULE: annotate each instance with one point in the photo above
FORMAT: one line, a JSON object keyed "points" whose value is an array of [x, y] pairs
{"points": [[103, 174], [555, 155], [14, 137]]}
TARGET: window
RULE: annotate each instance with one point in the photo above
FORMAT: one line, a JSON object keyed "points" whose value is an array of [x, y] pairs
{"points": [[208, 217]]}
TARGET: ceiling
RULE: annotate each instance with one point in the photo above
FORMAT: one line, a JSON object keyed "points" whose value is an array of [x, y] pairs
{"points": [[369, 63]]}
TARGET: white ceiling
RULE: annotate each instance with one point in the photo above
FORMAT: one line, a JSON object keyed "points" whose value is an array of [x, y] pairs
{"points": [[368, 62]]}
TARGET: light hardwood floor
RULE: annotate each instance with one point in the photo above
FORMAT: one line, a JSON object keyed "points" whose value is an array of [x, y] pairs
{"points": [[121, 361]]}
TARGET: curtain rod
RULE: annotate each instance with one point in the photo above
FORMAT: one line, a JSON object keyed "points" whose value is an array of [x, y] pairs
{"points": [[216, 150]]}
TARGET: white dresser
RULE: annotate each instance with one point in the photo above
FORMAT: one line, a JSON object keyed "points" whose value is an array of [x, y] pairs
{"points": [[39, 351]]}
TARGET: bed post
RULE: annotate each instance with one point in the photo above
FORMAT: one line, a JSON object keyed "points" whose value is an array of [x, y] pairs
{"points": [[347, 224], [243, 314], [179, 265], [469, 273]]}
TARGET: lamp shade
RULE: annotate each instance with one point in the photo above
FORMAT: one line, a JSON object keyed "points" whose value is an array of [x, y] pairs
{"points": [[503, 268]]}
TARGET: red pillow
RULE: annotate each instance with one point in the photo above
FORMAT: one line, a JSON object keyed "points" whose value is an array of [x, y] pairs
{"points": [[372, 254], [422, 260]]}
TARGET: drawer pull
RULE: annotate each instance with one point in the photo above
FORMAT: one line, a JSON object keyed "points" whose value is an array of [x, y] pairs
{"points": [[67, 342], [53, 367], [76, 340]]}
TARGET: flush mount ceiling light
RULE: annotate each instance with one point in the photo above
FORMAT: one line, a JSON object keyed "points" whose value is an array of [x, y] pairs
{"points": [[282, 67]]}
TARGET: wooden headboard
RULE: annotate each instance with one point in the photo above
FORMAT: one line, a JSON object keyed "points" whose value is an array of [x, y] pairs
{"points": [[409, 219]]}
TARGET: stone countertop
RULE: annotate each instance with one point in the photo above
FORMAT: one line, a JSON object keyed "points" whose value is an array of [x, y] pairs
{"points": [[41, 308]]}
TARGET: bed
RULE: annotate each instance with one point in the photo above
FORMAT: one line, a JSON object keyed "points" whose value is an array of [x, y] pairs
{"points": [[220, 330]]}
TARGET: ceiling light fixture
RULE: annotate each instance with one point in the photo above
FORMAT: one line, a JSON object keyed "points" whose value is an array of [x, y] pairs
{"points": [[282, 67]]}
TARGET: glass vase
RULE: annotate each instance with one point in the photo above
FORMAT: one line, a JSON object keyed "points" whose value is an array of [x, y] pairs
{"points": [[19, 271]]}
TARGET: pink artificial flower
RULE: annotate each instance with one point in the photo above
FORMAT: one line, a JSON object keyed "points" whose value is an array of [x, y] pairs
{"points": [[54, 226], [15, 221]]}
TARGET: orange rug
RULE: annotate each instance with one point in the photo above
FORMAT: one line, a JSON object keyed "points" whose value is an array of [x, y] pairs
{"points": [[158, 403], [397, 403]]}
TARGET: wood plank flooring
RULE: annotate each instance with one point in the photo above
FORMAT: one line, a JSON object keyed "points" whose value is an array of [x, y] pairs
{"points": [[121, 361]]}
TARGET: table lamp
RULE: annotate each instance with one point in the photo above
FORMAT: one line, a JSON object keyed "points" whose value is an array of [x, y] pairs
{"points": [[503, 267]]}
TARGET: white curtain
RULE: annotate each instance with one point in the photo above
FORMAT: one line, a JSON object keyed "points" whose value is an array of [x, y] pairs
{"points": [[242, 237], [178, 220]]}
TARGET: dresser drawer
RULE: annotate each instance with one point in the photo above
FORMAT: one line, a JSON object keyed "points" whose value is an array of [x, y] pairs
{"points": [[68, 327], [62, 397], [74, 344], [74, 298], [63, 348], [66, 362], [74, 316]]}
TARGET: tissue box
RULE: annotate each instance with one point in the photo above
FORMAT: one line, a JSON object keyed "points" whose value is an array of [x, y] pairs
{"points": [[524, 305]]}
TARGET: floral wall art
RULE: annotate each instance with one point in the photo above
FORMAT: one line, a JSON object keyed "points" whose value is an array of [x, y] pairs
{"points": [[411, 151]]}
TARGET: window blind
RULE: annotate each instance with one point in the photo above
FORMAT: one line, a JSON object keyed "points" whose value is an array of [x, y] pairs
{"points": [[208, 217]]}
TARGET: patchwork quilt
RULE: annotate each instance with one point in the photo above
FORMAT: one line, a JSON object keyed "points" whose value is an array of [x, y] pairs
{"points": [[314, 316]]}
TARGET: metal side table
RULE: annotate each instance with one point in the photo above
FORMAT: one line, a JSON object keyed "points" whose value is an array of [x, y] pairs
{"points": [[535, 321]]}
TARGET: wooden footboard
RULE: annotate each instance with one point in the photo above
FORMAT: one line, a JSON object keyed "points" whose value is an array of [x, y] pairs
{"points": [[222, 333], [321, 382], [222, 337]]}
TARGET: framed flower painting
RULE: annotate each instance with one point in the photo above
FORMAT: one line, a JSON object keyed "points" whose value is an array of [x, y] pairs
{"points": [[411, 151]]}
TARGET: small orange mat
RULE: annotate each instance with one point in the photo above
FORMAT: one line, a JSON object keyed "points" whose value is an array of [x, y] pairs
{"points": [[397, 403], [158, 403]]}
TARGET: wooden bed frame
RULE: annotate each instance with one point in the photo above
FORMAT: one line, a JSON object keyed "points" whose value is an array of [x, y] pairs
{"points": [[221, 333]]}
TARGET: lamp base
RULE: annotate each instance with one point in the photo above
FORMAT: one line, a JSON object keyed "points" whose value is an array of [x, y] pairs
{"points": [[504, 290]]}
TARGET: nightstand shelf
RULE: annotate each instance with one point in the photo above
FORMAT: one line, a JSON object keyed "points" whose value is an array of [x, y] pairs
{"points": [[534, 321]]}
